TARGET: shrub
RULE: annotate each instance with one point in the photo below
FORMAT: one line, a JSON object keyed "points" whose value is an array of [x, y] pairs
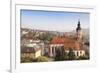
{"points": [[42, 59], [83, 58], [26, 59]]}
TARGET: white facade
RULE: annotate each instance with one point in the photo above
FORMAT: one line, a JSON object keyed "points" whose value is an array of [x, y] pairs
{"points": [[52, 49], [38, 54], [52, 52]]}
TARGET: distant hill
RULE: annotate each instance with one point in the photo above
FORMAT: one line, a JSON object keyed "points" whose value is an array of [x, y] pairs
{"points": [[71, 33]]}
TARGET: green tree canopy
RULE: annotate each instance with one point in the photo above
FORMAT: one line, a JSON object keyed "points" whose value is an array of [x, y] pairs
{"points": [[71, 54]]}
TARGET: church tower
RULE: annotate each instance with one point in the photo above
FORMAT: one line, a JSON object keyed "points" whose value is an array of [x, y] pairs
{"points": [[79, 32]]}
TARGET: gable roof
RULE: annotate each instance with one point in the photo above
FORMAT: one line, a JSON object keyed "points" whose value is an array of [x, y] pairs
{"points": [[67, 42], [29, 49]]}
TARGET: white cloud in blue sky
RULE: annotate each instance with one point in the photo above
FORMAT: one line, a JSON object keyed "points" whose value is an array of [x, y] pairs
{"points": [[54, 21]]}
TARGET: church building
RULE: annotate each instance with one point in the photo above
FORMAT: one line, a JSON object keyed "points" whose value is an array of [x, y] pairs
{"points": [[68, 43]]}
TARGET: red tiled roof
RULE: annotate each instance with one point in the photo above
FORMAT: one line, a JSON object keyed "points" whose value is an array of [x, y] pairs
{"points": [[58, 40], [67, 42]]}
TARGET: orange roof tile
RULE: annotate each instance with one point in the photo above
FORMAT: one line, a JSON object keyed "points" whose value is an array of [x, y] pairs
{"points": [[67, 42]]}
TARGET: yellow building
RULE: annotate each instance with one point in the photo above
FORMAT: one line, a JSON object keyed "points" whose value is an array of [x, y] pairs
{"points": [[30, 52]]}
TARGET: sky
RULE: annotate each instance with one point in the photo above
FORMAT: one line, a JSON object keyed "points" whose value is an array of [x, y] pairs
{"points": [[53, 21]]}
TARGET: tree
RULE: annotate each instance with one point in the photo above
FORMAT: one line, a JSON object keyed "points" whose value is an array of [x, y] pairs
{"points": [[63, 53], [60, 54], [71, 55]]}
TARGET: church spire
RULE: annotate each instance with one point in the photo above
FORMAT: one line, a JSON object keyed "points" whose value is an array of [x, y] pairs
{"points": [[79, 32], [78, 25], [78, 22]]}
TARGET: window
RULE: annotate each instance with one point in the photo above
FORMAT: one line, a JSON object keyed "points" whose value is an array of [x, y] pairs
{"points": [[77, 53]]}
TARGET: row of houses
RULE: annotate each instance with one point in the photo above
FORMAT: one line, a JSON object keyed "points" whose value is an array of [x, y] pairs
{"points": [[38, 48]]}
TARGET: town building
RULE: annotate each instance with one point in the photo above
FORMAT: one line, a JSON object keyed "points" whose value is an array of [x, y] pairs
{"points": [[30, 52], [32, 49]]}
